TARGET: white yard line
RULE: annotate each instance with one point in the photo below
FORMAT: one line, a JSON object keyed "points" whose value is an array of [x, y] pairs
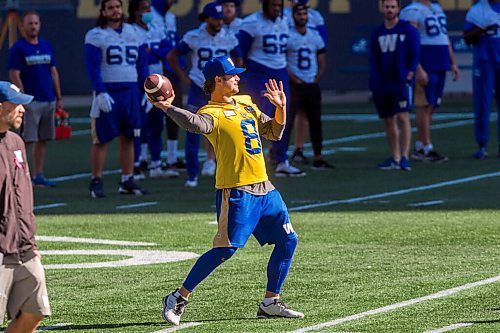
{"points": [[138, 205], [90, 241], [52, 327], [449, 328], [54, 205], [426, 203], [178, 328], [398, 192], [440, 294]]}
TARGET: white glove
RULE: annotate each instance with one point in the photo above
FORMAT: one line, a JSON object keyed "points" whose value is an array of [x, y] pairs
{"points": [[105, 102], [145, 104]]}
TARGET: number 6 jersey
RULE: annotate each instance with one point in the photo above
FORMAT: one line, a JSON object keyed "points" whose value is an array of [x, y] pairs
{"points": [[432, 26]]}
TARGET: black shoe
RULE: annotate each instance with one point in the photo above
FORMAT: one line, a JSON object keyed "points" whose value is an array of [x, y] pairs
{"points": [[418, 155], [96, 188], [322, 165], [143, 166], [298, 156], [435, 157], [130, 187], [139, 174], [179, 165]]}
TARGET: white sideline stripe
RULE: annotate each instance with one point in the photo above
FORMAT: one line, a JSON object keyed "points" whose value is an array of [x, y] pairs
{"points": [[398, 192], [449, 328], [90, 241], [291, 148], [426, 203], [137, 205], [178, 328], [440, 294], [52, 327], [54, 205]]}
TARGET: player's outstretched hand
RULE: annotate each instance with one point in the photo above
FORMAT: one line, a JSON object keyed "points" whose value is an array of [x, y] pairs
{"points": [[163, 105], [276, 95]]}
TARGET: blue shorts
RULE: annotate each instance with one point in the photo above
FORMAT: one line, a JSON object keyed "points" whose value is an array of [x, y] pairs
{"points": [[388, 104], [241, 214], [431, 94], [123, 119]]}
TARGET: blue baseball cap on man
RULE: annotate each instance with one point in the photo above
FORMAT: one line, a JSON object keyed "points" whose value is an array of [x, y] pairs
{"points": [[219, 66], [212, 10], [236, 2], [9, 92]]}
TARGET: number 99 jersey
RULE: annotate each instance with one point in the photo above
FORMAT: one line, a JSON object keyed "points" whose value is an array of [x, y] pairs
{"points": [[120, 52], [269, 39], [430, 20], [302, 52]]}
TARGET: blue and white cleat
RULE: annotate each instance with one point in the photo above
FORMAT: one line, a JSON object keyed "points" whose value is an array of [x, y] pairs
{"points": [[277, 309]]}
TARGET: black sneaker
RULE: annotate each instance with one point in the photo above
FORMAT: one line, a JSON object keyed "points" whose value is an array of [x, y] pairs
{"points": [[139, 174], [418, 155], [435, 157], [143, 166], [298, 157], [179, 165], [322, 165], [130, 187], [96, 188]]}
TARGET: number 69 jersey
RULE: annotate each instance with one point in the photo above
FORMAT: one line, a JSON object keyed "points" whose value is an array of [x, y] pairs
{"points": [[432, 27], [302, 53], [120, 52]]}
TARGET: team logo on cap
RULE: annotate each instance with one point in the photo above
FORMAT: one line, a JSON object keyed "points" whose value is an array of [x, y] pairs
{"points": [[14, 87], [218, 9], [230, 61]]}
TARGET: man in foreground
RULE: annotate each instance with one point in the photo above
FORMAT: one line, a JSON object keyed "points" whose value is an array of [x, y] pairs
{"points": [[23, 293], [246, 201]]}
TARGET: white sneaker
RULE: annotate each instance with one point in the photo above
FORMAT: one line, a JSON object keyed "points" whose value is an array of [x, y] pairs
{"points": [[191, 183], [277, 309], [173, 308], [284, 169], [160, 173], [208, 168]]}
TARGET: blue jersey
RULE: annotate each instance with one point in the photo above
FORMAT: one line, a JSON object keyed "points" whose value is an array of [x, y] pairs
{"points": [[264, 41], [487, 17], [393, 54], [35, 62], [431, 23], [301, 53]]}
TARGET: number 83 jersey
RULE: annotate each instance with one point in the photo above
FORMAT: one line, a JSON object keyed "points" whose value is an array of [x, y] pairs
{"points": [[236, 142], [120, 51]]}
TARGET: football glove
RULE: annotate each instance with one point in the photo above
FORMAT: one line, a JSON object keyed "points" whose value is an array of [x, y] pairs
{"points": [[105, 102]]}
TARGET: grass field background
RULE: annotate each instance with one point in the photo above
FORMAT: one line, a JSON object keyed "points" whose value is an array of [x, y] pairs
{"points": [[376, 239]]}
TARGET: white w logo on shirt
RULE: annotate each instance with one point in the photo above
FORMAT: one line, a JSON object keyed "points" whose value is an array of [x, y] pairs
{"points": [[388, 43]]}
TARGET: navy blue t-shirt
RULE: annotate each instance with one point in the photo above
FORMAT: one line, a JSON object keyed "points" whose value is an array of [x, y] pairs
{"points": [[35, 62], [393, 53]]}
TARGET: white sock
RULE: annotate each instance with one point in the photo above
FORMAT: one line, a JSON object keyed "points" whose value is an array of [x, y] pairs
{"points": [[144, 152], [428, 148], [126, 177], [155, 164], [419, 145], [269, 300], [172, 151]]}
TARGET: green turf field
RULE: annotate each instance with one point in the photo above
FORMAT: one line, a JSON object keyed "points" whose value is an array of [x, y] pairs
{"points": [[379, 251]]}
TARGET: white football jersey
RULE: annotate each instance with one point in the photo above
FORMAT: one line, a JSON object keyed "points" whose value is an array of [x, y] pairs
{"points": [[430, 20], [204, 47], [301, 54], [152, 37], [314, 18], [269, 40], [120, 51]]}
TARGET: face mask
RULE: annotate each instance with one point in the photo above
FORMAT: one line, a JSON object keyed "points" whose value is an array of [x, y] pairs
{"points": [[147, 17]]}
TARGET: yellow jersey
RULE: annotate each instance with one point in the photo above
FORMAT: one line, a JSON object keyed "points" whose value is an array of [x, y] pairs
{"points": [[236, 141]]}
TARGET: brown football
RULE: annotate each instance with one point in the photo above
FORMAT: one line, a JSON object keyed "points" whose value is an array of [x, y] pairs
{"points": [[158, 87]]}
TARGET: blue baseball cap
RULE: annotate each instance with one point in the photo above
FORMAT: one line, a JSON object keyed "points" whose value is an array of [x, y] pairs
{"points": [[211, 9], [236, 2], [219, 66], [9, 92], [300, 2]]}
